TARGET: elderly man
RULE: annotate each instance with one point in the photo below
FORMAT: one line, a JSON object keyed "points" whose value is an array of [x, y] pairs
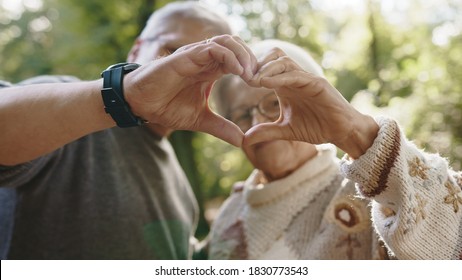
{"points": [[74, 186]]}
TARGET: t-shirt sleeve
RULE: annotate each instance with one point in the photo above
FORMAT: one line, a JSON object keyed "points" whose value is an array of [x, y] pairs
{"points": [[13, 176]]}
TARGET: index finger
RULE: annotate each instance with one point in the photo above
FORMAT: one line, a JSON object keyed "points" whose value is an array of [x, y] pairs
{"points": [[242, 52], [272, 54]]}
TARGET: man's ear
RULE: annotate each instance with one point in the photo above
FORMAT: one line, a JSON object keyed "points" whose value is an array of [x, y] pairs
{"points": [[133, 54]]}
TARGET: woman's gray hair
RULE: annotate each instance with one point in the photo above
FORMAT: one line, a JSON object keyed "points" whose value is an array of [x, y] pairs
{"points": [[301, 56]]}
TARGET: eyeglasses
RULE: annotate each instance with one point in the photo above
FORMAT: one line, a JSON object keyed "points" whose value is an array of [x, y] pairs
{"points": [[268, 106]]}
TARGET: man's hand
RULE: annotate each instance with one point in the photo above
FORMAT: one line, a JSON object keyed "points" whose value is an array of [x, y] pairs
{"points": [[174, 91], [312, 110]]}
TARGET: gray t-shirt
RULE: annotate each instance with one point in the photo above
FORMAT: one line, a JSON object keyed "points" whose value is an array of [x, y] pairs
{"points": [[114, 194]]}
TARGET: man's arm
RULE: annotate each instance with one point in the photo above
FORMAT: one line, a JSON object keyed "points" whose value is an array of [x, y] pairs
{"points": [[38, 119], [172, 92]]}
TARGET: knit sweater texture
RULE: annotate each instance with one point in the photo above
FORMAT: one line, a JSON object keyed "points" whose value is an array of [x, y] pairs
{"points": [[394, 201]]}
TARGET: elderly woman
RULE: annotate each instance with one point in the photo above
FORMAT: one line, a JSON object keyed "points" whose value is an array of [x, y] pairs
{"points": [[298, 204]]}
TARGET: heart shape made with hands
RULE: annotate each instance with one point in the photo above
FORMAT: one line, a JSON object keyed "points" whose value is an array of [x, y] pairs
{"points": [[311, 110]]}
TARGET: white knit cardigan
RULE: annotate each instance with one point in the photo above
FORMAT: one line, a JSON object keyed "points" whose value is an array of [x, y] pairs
{"points": [[316, 213]]}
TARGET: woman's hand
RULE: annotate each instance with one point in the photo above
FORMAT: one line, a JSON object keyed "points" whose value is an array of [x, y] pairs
{"points": [[312, 110]]}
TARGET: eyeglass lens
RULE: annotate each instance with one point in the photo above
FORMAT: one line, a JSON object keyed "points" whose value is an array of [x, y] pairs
{"points": [[268, 107]]}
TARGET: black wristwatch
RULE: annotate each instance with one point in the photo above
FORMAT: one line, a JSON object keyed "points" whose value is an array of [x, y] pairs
{"points": [[113, 95]]}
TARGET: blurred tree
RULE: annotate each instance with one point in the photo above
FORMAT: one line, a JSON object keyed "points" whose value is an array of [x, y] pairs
{"points": [[76, 38]]}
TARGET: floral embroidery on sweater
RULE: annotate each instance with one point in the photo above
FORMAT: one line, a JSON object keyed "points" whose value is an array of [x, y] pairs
{"points": [[427, 224], [387, 212], [453, 197], [419, 211], [417, 168]]}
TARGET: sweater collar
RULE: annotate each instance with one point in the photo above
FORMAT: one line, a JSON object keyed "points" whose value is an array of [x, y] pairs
{"points": [[261, 193]]}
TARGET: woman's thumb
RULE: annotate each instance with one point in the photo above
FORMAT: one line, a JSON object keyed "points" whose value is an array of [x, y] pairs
{"points": [[262, 133]]}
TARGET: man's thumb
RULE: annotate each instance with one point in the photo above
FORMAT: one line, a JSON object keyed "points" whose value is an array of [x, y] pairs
{"points": [[221, 128]]}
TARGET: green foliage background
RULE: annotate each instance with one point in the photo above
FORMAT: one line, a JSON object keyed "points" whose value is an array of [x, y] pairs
{"points": [[400, 58]]}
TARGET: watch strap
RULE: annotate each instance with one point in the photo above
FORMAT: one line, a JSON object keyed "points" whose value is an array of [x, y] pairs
{"points": [[113, 95]]}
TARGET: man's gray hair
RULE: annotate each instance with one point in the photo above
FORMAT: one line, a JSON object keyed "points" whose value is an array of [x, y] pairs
{"points": [[187, 9]]}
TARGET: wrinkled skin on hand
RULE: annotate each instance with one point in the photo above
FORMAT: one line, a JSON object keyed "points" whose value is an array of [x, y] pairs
{"points": [[306, 100], [184, 80], [174, 92], [312, 110]]}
